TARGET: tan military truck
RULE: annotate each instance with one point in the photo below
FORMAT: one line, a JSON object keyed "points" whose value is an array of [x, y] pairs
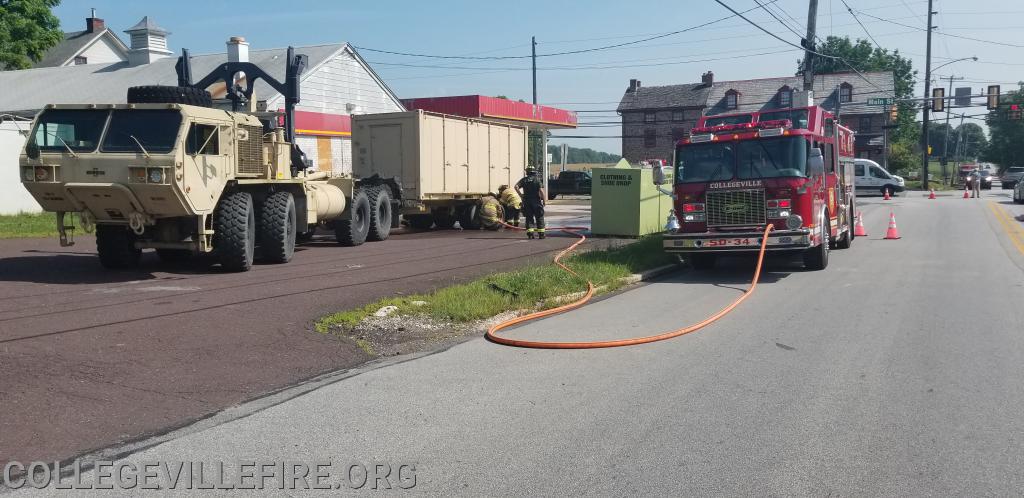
{"points": [[167, 171]]}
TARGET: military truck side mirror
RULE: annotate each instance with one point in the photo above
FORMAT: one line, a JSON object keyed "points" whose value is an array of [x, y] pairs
{"points": [[815, 163], [658, 173], [32, 149]]}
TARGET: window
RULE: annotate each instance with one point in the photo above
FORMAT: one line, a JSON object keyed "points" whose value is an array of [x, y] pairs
{"points": [[728, 120], [155, 131], [731, 99], [865, 124], [829, 152], [845, 93], [798, 118], [785, 97], [60, 129], [677, 116], [650, 138], [878, 173], [79, 60], [858, 169], [775, 158], [649, 117], [203, 139]]}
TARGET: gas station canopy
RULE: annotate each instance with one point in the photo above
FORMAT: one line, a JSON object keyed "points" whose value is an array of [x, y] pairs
{"points": [[496, 109]]}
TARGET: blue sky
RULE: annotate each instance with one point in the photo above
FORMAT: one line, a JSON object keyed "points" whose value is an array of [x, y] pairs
{"points": [[486, 29]]}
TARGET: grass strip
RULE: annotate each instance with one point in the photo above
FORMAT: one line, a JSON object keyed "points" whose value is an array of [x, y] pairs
{"points": [[25, 225], [532, 287]]}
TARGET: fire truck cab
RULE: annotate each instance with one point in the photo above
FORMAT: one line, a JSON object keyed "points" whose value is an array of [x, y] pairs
{"points": [[736, 174]]}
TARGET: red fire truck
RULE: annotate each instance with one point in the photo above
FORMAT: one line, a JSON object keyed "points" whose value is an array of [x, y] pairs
{"points": [[735, 174]]}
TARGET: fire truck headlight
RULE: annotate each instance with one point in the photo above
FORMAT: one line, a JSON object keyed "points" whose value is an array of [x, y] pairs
{"points": [[795, 221], [784, 214]]}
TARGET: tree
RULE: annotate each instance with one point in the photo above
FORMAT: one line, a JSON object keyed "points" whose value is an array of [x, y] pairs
{"points": [[970, 138], [582, 156], [28, 29], [1006, 147]]}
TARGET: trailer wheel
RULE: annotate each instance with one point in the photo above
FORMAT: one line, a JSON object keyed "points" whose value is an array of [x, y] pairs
{"points": [[380, 213], [444, 219], [162, 94], [353, 231], [277, 227], [173, 256], [469, 217], [702, 261], [116, 247], [816, 258], [234, 231], [420, 221]]}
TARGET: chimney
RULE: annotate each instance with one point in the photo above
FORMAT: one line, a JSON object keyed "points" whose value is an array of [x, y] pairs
{"points": [[238, 49], [707, 78], [632, 85], [93, 23], [148, 42]]}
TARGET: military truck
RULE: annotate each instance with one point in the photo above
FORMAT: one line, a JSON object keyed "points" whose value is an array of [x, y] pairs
{"points": [[170, 172]]}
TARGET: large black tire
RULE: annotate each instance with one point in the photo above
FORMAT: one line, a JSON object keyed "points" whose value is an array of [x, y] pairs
{"points": [[702, 261], [444, 219], [816, 258], [551, 197], [277, 227], [420, 221], [469, 217], [353, 231], [160, 94], [234, 231], [174, 255], [116, 247], [380, 213]]}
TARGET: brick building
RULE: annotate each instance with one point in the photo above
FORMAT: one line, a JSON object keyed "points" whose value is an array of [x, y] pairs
{"points": [[655, 118]]}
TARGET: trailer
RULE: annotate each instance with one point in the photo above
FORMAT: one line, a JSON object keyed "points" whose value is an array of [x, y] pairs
{"points": [[442, 165]]}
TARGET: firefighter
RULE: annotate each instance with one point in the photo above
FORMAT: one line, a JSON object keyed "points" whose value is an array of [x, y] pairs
{"points": [[512, 203], [490, 212], [533, 193], [975, 181]]}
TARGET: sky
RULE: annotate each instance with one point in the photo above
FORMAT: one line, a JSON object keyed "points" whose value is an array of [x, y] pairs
{"points": [[592, 82]]}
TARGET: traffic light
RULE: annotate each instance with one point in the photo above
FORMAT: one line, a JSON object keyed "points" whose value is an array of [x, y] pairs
{"points": [[894, 114], [993, 97], [1014, 114], [938, 99]]}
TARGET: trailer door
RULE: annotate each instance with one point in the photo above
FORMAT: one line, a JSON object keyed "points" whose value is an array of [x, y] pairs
{"points": [[386, 150]]}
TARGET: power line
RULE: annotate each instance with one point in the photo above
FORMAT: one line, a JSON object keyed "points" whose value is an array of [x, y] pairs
{"points": [[855, 18], [765, 8], [943, 33]]}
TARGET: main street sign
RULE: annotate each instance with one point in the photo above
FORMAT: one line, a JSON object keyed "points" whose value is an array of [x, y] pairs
{"points": [[881, 101]]}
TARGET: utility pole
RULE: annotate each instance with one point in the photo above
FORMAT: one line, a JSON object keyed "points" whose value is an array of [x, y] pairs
{"points": [[543, 132], [945, 145], [885, 137], [959, 137], [533, 41], [927, 100], [808, 43]]}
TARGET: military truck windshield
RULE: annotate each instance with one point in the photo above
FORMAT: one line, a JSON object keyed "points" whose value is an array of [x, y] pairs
{"points": [[797, 116], [156, 130], [57, 130], [746, 160]]}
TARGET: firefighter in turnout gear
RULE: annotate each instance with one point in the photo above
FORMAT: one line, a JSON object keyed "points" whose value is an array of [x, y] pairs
{"points": [[491, 212], [533, 193], [512, 204]]}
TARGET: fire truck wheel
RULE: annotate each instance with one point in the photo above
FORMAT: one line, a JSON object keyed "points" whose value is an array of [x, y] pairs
{"points": [[277, 227], [703, 261], [469, 217], [846, 239], [380, 213], [234, 231], [353, 231], [116, 247], [420, 221], [816, 258]]}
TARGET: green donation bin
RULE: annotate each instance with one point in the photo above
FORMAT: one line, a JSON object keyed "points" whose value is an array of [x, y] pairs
{"points": [[626, 203]]}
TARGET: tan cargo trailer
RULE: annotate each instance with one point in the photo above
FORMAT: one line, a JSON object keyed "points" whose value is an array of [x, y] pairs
{"points": [[443, 164]]}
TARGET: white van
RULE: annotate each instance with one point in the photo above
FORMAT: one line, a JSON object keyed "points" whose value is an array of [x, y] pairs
{"points": [[870, 178]]}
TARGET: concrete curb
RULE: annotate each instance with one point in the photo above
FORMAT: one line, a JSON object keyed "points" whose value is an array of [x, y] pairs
{"points": [[651, 274]]}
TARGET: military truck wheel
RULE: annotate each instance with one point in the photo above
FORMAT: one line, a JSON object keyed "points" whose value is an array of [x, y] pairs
{"points": [[234, 231], [469, 217], [174, 255], [380, 213], [353, 231], [116, 247], [420, 221], [277, 227], [162, 94], [444, 219]]}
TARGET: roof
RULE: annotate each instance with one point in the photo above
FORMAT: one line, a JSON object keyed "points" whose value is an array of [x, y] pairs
{"points": [[73, 44], [145, 24], [661, 97], [761, 94], [32, 89], [496, 109]]}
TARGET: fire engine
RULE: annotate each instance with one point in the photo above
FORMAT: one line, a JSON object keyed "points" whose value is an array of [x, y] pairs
{"points": [[736, 174]]}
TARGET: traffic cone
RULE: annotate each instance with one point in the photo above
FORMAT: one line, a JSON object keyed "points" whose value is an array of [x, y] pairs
{"points": [[965, 194], [892, 233], [858, 228], [886, 196], [931, 195]]}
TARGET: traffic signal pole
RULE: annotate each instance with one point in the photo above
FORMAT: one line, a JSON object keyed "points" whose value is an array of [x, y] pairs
{"points": [[927, 95], [945, 144]]}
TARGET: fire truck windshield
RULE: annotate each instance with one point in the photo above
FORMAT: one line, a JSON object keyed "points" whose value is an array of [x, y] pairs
{"points": [[745, 160]]}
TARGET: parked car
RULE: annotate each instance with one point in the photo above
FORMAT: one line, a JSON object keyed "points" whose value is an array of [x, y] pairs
{"points": [[870, 177], [1011, 176], [1018, 193], [570, 183], [985, 178]]}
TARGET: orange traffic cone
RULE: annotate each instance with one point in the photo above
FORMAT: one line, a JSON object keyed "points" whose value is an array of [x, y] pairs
{"points": [[886, 196], [858, 228], [931, 195], [965, 194], [892, 233]]}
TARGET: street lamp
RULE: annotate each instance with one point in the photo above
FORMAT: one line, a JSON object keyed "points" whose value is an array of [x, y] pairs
{"points": [[927, 95], [952, 61], [945, 137]]}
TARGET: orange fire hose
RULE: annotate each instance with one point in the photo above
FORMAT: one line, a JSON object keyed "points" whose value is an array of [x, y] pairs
{"points": [[493, 336]]}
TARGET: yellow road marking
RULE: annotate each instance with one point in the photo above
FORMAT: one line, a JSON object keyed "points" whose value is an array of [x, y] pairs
{"points": [[1010, 225]]}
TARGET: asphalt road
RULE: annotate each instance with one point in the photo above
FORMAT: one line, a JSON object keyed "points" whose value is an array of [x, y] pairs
{"points": [[895, 372], [91, 358]]}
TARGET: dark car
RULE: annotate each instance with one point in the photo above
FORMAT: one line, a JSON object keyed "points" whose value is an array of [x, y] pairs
{"points": [[986, 179], [1011, 176], [570, 183]]}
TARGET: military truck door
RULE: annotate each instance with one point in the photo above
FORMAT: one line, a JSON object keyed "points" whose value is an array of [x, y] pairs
{"points": [[206, 163]]}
